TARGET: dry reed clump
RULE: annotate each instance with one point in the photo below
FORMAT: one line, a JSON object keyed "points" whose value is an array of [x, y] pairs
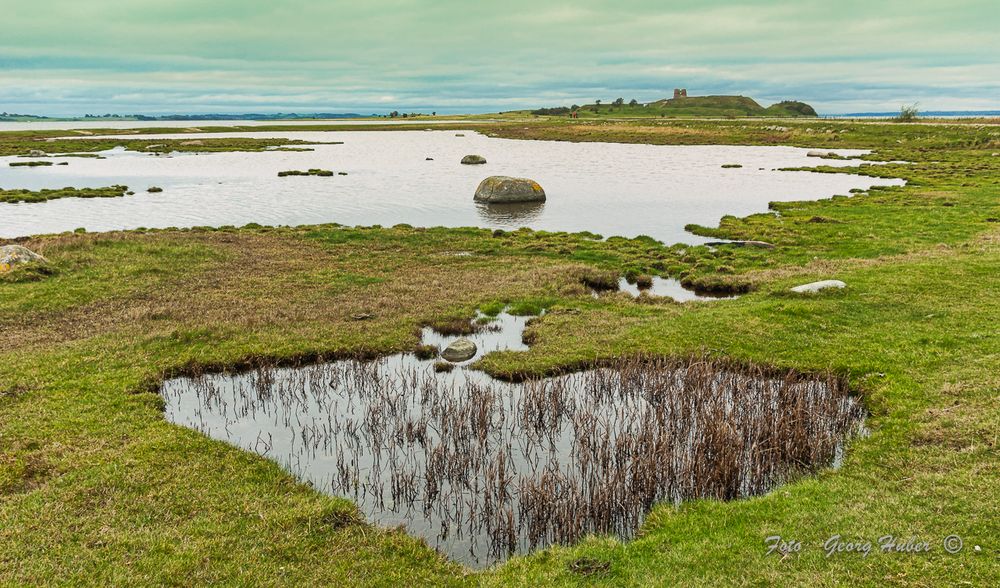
{"points": [[509, 467]]}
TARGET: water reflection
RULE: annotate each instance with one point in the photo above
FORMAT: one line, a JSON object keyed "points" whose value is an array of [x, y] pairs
{"points": [[670, 288], [512, 215]]}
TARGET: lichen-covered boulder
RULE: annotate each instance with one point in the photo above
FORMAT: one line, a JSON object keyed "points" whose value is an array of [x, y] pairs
{"points": [[505, 189], [11, 255], [459, 351], [473, 160]]}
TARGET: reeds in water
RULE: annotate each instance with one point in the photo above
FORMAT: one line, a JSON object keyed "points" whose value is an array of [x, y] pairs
{"points": [[484, 469]]}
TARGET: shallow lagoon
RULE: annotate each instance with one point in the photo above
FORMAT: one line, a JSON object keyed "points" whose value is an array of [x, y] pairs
{"points": [[610, 189]]}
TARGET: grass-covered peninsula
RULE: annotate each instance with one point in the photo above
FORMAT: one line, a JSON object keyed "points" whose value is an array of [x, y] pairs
{"points": [[97, 488]]}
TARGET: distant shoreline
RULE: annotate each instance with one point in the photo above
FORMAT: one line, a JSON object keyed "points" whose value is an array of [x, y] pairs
{"points": [[923, 114]]}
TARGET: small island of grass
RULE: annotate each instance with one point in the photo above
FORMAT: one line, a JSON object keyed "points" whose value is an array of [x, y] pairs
{"points": [[30, 163], [31, 196], [311, 172]]}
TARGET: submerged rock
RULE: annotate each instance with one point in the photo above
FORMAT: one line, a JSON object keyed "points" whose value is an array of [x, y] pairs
{"points": [[473, 160], [813, 287], [459, 351], [11, 255], [505, 189]]}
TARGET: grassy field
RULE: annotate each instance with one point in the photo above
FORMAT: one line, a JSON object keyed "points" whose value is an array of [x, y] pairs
{"points": [[96, 488]]}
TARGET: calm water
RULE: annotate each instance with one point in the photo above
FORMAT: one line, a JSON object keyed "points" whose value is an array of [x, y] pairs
{"points": [[670, 288], [194, 124], [482, 469], [609, 189]]}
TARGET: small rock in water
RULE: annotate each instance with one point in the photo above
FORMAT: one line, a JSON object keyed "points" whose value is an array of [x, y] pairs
{"points": [[459, 351], [505, 189], [817, 286], [821, 154], [11, 255], [429, 159], [473, 160]]}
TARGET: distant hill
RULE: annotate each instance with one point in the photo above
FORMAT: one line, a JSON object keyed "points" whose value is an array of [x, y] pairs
{"points": [[687, 106]]}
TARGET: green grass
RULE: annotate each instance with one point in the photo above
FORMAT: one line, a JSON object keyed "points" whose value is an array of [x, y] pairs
{"points": [[96, 488]]}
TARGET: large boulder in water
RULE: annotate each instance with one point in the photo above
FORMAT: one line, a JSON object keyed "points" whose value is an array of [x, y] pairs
{"points": [[505, 190], [459, 351], [473, 160], [11, 255]]}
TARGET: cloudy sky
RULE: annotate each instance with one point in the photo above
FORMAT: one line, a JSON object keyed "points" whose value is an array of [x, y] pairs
{"points": [[70, 57]]}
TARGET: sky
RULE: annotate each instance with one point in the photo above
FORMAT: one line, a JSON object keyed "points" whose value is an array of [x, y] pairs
{"points": [[72, 57]]}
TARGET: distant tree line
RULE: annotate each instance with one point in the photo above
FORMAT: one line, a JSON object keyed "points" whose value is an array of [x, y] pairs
{"points": [[397, 114], [560, 110], [564, 110]]}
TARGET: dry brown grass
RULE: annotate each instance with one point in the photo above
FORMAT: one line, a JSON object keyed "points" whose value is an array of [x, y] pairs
{"points": [[272, 279]]}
